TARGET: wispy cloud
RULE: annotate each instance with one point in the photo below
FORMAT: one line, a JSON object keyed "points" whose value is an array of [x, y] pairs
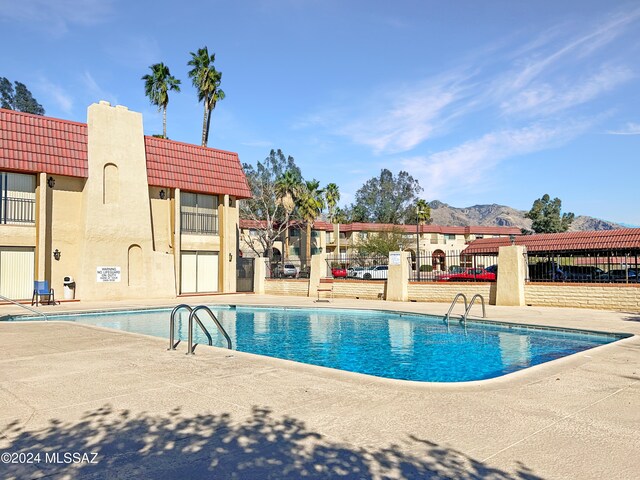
{"points": [[96, 91], [57, 16], [463, 166], [258, 143], [135, 50], [629, 129], [57, 94]]}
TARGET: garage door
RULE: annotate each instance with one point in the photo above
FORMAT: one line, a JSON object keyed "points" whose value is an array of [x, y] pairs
{"points": [[16, 272], [199, 272]]}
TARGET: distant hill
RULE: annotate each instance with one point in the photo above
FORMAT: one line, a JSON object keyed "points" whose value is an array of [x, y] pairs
{"points": [[503, 216]]}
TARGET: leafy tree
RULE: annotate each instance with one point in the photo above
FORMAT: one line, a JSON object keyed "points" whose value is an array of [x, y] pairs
{"points": [[288, 189], [381, 243], [19, 99], [310, 205], [340, 216], [263, 208], [332, 197], [386, 199], [207, 81], [546, 217], [157, 86]]}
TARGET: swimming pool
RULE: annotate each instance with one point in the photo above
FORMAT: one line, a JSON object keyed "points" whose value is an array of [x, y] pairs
{"points": [[384, 344]]}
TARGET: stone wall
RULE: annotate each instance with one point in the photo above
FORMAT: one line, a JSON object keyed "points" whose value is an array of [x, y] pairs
{"points": [[444, 292], [296, 287], [580, 295], [372, 290]]}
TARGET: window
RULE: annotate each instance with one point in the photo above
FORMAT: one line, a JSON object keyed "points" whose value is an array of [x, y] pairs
{"points": [[449, 237], [294, 251], [198, 213], [434, 238], [295, 232], [17, 198], [253, 232], [479, 236], [316, 250], [315, 234]]}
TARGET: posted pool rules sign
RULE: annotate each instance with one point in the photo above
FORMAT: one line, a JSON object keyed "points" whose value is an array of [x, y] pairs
{"points": [[108, 274]]}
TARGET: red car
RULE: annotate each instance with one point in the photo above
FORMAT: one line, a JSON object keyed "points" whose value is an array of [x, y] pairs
{"points": [[469, 275], [339, 272]]}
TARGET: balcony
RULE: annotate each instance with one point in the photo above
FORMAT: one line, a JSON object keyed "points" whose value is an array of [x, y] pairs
{"points": [[17, 211], [199, 223]]}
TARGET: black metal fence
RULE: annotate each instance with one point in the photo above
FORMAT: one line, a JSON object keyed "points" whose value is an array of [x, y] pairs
{"points": [[356, 266], [17, 210], [593, 267], [452, 266], [277, 267]]}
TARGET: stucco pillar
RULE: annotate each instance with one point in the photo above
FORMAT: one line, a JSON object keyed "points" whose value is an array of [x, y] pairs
{"points": [[398, 277], [228, 244], [177, 240], [511, 276], [318, 271], [41, 229], [259, 274]]}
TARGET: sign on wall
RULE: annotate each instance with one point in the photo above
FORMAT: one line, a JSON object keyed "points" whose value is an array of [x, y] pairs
{"points": [[108, 274]]}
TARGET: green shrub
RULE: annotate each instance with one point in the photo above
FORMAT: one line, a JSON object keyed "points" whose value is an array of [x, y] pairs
{"points": [[426, 268]]}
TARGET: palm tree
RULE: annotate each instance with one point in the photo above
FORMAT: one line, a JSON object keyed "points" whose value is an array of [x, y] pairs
{"points": [[423, 212], [207, 81], [157, 86], [288, 189], [310, 206], [332, 196]]}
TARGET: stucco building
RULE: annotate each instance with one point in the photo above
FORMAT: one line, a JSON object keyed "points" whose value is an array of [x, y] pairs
{"points": [[126, 215]]}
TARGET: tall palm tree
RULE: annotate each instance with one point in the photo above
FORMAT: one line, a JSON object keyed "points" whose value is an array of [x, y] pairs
{"points": [[288, 189], [332, 196], [310, 206], [157, 86], [207, 81], [423, 211]]}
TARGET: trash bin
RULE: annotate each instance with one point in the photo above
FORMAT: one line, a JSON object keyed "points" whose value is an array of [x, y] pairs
{"points": [[69, 288]]}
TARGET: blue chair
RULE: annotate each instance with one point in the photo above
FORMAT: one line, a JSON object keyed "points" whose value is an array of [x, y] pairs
{"points": [[41, 289]]}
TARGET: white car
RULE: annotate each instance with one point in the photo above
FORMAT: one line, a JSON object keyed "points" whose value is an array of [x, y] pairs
{"points": [[379, 272]]}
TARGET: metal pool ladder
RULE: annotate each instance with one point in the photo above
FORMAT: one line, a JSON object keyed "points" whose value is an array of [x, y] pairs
{"points": [[193, 315], [453, 304], [24, 306], [473, 299]]}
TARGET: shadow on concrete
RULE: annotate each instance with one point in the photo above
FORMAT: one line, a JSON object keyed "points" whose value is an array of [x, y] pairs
{"points": [[632, 318], [214, 446]]}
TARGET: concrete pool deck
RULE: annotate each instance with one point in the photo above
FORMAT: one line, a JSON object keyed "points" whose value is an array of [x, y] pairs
{"points": [[150, 413]]}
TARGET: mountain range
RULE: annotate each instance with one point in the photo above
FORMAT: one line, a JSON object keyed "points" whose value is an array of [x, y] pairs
{"points": [[503, 216]]}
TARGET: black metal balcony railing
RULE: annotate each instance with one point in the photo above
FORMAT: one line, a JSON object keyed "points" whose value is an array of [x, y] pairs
{"points": [[197, 222], [17, 210]]}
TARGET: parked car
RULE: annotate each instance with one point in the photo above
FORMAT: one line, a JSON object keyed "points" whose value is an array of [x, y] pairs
{"points": [[353, 271], [286, 270], [549, 271], [339, 272], [469, 275], [581, 273], [620, 276], [379, 272]]}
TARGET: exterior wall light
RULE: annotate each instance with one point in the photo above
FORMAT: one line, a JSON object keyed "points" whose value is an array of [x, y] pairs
{"points": [[512, 237], [57, 254], [231, 257], [162, 194], [51, 182]]}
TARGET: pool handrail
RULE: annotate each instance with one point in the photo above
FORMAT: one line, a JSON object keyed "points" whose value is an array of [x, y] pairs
{"points": [[173, 346], [466, 311], [24, 306], [194, 314], [453, 304]]}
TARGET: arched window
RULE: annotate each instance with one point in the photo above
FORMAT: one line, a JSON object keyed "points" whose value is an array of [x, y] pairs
{"points": [[110, 184], [135, 265]]}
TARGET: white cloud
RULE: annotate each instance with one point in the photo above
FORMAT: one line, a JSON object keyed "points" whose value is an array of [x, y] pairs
{"points": [[56, 94], [96, 92], [258, 143], [629, 129], [135, 51], [56, 16], [466, 165]]}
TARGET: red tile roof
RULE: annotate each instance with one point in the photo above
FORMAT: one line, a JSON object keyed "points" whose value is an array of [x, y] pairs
{"points": [[33, 143], [603, 240], [190, 167], [381, 227]]}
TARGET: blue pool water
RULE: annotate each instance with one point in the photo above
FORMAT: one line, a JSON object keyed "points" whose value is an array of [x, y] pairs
{"points": [[384, 344]]}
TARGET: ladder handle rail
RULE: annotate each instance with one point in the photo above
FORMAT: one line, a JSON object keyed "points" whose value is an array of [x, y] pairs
{"points": [[193, 315], [468, 309], [453, 304], [24, 306], [172, 324]]}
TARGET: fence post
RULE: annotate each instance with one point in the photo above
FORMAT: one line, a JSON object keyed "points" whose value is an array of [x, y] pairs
{"points": [[259, 274], [318, 271], [511, 276], [398, 277]]}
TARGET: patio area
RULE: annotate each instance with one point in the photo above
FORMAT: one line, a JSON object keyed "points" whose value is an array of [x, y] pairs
{"points": [[146, 412]]}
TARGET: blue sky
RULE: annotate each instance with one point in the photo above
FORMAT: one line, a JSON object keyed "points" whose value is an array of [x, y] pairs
{"points": [[482, 102]]}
